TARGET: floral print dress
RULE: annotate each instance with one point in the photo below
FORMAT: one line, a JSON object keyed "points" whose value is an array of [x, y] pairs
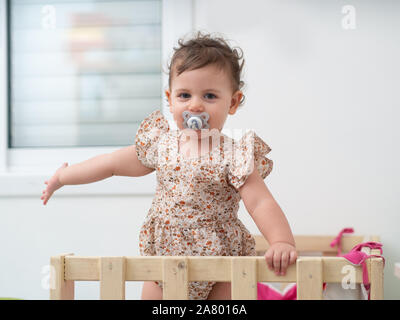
{"points": [[194, 210]]}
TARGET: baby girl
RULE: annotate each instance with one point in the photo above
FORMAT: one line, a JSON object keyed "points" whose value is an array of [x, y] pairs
{"points": [[201, 173]]}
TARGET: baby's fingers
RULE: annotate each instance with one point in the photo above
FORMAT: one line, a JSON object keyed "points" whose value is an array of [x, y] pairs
{"points": [[277, 262], [45, 197], [292, 257], [284, 263], [268, 257], [45, 200]]}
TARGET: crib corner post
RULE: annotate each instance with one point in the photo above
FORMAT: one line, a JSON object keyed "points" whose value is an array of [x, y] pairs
{"points": [[309, 278], [60, 289], [375, 267], [376, 279]]}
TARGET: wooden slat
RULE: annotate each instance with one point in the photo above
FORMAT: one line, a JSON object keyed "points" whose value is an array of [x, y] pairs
{"points": [[82, 268], [376, 273], [332, 270], [375, 238], [144, 268], [309, 278], [210, 268], [175, 278], [137, 268], [266, 275], [313, 243], [112, 278], [60, 289], [244, 278], [201, 268], [376, 279], [176, 272]]}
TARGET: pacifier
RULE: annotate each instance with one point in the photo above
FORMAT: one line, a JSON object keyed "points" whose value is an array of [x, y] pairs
{"points": [[195, 121]]}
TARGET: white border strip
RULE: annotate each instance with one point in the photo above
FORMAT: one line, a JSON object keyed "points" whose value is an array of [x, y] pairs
{"points": [[3, 86]]}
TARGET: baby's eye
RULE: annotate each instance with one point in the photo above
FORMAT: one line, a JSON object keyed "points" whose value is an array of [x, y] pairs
{"points": [[210, 95], [184, 95]]}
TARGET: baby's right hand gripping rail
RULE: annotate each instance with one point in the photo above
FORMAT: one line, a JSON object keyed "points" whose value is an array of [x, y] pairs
{"points": [[310, 273]]}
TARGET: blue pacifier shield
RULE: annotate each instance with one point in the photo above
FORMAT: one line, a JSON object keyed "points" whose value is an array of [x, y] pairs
{"points": [[195, 121]]}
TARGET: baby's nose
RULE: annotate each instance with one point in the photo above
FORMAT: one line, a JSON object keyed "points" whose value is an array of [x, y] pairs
{"points": [[196, 106]]}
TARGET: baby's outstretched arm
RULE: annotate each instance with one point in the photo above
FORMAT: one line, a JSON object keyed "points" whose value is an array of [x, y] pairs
{"points": [[271, 221], [122, 162]]}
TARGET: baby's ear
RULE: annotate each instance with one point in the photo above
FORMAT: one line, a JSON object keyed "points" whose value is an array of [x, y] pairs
{"points": [[235, 101], [232, 110], [168, 95]]}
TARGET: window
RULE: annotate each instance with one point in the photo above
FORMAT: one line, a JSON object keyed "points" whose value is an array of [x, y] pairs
{"points": [[82, 73], [76, 79]]}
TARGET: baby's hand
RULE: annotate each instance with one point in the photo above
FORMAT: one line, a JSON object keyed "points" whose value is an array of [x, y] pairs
{"points": [[52, 185], [279, 256]]}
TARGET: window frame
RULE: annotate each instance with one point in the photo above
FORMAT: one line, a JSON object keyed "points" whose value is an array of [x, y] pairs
{"points": [[24, 170]]}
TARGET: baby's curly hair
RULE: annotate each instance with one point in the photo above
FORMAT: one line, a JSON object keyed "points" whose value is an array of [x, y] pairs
{"points": [[204, 49]]}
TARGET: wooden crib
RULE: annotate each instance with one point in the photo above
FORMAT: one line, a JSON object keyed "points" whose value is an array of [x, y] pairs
{"points": [[309, 272]]}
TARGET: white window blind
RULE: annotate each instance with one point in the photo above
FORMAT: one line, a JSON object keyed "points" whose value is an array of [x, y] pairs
{"points": [[82, 73]]}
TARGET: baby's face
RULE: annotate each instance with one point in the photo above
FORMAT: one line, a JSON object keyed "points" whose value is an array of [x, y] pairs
{"points": [[207, 89]]}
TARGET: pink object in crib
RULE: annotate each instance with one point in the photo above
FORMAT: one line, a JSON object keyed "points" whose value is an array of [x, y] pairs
{"points": [[338, 240], [355, 256], [266, 292]]}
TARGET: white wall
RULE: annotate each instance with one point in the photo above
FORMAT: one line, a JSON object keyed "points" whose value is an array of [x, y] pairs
{"points": [[322, 97], [87, 226]]}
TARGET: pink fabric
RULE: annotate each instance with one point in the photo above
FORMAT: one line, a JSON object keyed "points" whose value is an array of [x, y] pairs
{"points": [[266, 292], [357, 257], [337, 241], [354, 256]]}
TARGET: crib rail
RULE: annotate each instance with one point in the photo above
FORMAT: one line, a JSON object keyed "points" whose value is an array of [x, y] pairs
{"points": [[177, 271], [321, 244]]}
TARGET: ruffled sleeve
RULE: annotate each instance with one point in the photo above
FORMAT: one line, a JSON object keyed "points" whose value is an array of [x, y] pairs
{"points": [[148, 136], [250, 147]]}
